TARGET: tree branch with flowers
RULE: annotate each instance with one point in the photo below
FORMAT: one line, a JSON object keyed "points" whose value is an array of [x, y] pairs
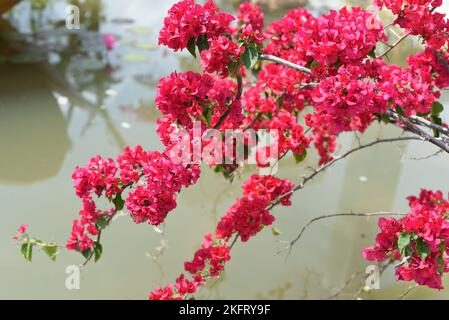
{"points": [[258, 78]]}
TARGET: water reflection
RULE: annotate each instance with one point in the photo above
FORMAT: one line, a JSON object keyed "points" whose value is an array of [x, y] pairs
{"points": [[40, 140]]}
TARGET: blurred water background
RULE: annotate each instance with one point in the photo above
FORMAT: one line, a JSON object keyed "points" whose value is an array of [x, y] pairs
{"points": [[64, 99]]}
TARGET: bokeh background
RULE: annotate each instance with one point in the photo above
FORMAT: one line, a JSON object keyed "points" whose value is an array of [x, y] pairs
{"points": [[64, 98]]}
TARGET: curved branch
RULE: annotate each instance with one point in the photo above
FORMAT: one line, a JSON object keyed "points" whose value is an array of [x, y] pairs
{"points": [[327, 165], [298, 237], [430, 124], [269, 57]]}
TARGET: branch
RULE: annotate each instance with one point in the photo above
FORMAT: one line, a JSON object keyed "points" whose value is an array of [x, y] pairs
{"points": [[237, 97], [269, 57], [411, 127], [402, 296], [394, 45], [327, 165], [298, 237], [429, 124]]}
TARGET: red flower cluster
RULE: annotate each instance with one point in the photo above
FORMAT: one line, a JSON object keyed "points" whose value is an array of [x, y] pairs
{"points": [[182, 288], [282, 34], [222, 51], [212, 255], [420, 240], [187, 20], [249, 214], [250, 14], [20, 232], [419, 18], [431, 66], [291, 136], [182, 96], [208, 262], [411, 89], [251, 22], [98, 176], [245, 218], [346, 36], [347, 89], [149, 201], [153, 200], [344, 102]]}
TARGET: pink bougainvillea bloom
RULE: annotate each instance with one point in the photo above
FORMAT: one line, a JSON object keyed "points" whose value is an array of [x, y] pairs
{"points": [[22, 229], [109, 41]]}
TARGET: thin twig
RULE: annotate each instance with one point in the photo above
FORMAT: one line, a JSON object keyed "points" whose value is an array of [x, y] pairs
{"points": [[394, 45], [257, 117], [235, 240], [426, 157], [406, 293], [237, 97], [350, 214], [327, 165]]}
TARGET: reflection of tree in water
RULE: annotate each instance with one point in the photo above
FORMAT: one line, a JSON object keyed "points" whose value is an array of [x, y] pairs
{"points": [[33, 130]]}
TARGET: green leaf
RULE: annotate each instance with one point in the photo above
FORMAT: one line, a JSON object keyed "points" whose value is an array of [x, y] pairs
{"points": [[403, 241], [441, 264], [98, 250], [51, 250], [87, 253], [314, 64], [276, 232], [437, 108], [422, 248], [27, 250], [101, 223], [37, 241], [118, 202], [202, 43], [207, 116], [233, 67], [400, 111], [250, 57], [383, 117], [300, 157], [437, 120], [372, 54], [442, 247], [191, 46]]}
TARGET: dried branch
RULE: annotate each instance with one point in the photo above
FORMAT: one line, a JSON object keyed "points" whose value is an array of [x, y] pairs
{"points": [[394, 45], [406, 293], [298, 237], [336, 159]]}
